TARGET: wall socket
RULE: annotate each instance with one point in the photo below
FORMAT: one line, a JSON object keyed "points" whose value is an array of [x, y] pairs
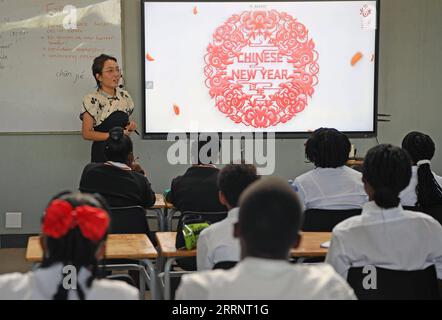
{"points": [[13, 220]]}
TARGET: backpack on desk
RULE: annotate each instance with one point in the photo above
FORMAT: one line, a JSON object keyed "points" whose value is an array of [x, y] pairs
{"points": [[189, 228]]}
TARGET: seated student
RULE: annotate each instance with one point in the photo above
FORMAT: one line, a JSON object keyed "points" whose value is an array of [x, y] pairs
{"points": [[331, 185], [119, 180], [216, 243], [74, 230], [268, 227], [385, 235], [197, 189], [424, 189]]}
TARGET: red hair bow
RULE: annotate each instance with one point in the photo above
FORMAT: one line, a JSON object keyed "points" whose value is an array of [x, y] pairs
{"points": [[61, 217]]}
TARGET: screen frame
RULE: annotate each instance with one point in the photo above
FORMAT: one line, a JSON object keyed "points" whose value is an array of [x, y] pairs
{"points": [[278, 135]]}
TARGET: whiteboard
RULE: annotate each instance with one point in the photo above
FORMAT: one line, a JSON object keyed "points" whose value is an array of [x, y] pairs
{"points": [[46, 53]]}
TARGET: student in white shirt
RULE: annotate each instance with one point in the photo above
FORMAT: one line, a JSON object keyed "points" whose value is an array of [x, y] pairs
{"points": [[424, 189], [331, 185], [74, 231], [216, 243], [267, 228], [385, 235]]}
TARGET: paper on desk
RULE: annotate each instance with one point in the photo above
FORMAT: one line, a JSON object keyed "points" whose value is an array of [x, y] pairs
{"points": [[325, 245]]}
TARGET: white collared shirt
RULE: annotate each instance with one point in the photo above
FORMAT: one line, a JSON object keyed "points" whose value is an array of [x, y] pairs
{"points": [[393, 239], [42, 284], [265, 279], [408, 195], [216, 243], [331, 188]]}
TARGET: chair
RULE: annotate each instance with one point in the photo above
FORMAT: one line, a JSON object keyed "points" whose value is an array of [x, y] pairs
{"points": [[125, 220], [396, 284], [320, 220], [129, 220], [224, 265], [189, 264]]}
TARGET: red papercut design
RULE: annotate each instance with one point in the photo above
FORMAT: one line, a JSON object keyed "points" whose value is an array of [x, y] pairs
{"points": [[261, 68], [365, 11]]}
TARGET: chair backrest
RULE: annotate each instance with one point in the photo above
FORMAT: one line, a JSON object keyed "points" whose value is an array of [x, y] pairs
{"points": [[211, 217], [320, 220], [126, 220], [224, 265], [395, 284]]}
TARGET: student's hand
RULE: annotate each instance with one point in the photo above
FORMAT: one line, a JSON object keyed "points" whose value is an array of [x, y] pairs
{"points": [[132, 126], [135, 166]]}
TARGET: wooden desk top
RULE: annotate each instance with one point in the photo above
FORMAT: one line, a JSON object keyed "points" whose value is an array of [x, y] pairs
{"points": [[166, 242], [161, 203], [355, 162], [118, 246], [310, 245]]}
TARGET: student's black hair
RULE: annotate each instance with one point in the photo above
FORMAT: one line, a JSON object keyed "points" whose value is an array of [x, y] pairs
{"points": [[387, 169], [328, 148], [270, 217], [118, 146], [233, 179], [420, 146], [74, 249], [98, 65]]}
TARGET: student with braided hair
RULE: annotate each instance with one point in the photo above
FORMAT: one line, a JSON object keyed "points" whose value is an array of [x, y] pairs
{"points": [[385, 235], [74, 229], [331, 185], [425, 189]]}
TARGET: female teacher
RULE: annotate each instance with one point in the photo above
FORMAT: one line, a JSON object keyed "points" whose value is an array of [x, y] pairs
{"points": [[109, 106]]}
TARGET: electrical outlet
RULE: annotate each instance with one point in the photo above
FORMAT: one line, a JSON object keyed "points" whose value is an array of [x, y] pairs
{"points": [[13, 220]]}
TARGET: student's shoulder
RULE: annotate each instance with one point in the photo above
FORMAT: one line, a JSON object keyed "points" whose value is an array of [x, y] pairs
{"points": [[92, 167], [12, 285], [425, 218], [348, 225], [205, 279], [352, 172], [104, 289], [306, 176], [328, 281]]}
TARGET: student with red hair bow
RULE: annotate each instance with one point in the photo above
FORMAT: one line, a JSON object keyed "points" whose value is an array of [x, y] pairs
{"points": [[74, 229]]}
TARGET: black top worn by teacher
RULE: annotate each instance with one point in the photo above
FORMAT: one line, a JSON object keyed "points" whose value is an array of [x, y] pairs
{"points": [[118, 184], [108, 112]]}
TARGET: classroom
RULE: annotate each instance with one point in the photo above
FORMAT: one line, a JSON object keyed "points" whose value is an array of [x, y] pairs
{"points": [[45, 153]]}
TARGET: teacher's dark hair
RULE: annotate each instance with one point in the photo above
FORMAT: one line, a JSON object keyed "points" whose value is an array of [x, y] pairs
{"points": [[98, 65], [387, 169], [118, 146]]}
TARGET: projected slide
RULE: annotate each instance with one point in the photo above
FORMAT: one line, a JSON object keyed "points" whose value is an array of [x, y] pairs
{"points": [[284, 67]]}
